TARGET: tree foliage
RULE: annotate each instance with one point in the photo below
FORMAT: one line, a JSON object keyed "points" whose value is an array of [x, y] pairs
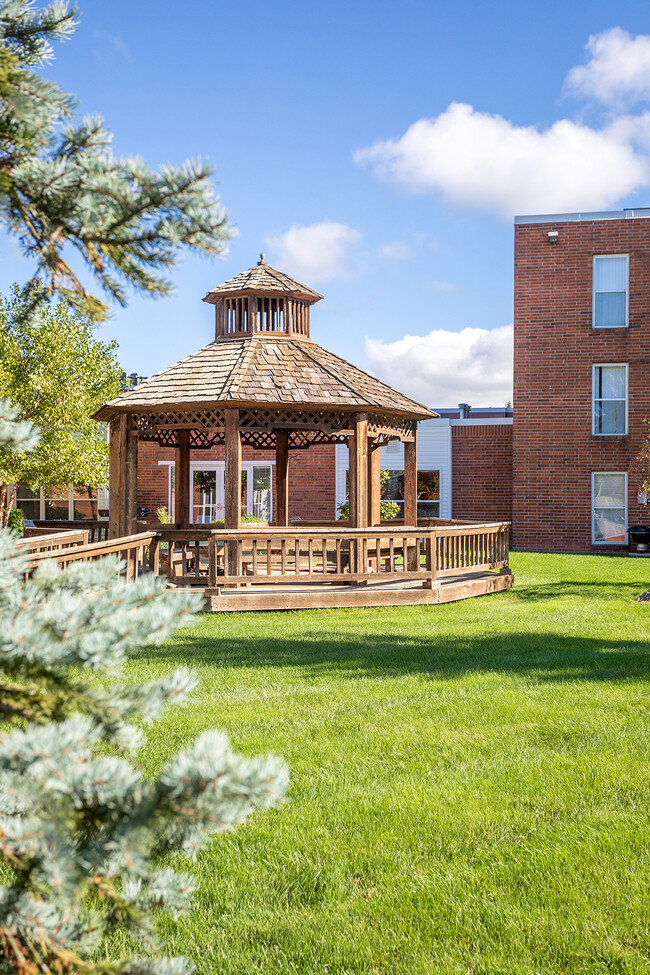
{"points": [[641, 468], [52, 363], [62, 189], [85, 841], [388, 509]]}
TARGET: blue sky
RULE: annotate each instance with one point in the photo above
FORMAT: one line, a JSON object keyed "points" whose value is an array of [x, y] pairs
{"points": [[338, 151]]}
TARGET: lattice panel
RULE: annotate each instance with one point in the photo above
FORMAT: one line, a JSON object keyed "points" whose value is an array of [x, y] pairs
{"points": [[204, 439], [382, 426], [302, 440], [295, 419], [199, 439], [258, 439], [177, 419]]}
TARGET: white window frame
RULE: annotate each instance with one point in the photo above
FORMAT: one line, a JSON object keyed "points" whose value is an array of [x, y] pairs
{"points": [[216, 465], [602, 257], [102, 502], [600, 365], [599, 541]]}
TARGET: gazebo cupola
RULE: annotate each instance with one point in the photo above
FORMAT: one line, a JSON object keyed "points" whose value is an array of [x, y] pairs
{"points": [[261, 301]]}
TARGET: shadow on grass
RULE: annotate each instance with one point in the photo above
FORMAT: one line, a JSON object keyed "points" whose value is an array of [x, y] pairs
{"points": [[583, 588], [544, 656]]}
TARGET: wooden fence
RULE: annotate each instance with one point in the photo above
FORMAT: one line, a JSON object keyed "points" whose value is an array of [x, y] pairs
{"points": [[139, 553], [213, 558], [53, 541], [97, 530], [250, 556]]}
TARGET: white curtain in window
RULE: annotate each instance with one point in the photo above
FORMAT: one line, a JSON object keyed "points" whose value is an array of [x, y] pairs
{"points": [[610, 382], [610, 273], [609, 490]]}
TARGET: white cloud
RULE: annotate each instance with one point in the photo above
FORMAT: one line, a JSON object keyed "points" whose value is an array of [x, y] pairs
{"points": [[316, 252], [444, 287], [444, 368], [396, 251], [618, 69], [485, 161]]}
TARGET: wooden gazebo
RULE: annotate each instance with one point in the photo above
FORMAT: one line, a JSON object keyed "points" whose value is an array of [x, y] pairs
{"points": [[265, 383]]}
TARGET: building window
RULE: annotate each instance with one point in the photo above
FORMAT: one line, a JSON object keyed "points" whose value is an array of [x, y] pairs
{"points": [[609, 400], [66, 502], [208, 491], [29, 502], [609, 508], [610, 291], [428, 492]]}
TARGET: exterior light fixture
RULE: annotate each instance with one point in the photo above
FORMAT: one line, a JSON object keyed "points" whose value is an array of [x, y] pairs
{"points": [[553, 236]]}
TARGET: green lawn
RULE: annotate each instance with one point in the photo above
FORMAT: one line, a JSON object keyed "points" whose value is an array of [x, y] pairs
{"points": [[470, 782]]}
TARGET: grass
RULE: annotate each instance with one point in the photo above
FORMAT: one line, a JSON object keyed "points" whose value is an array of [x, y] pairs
{"points": [[470, 782]]}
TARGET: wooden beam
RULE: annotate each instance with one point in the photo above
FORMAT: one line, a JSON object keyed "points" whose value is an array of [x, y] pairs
{"points": [[359, 472], [116, 476], [131, 484], [182, 481], [281, 478], [411, 483], [232, 515], [374, 483]]}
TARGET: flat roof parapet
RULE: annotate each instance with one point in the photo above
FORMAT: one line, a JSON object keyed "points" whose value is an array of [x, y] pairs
{"points": [[630, 214]]}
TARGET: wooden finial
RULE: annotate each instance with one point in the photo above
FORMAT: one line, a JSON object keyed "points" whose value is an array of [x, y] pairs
{"points": [[262, 259]]}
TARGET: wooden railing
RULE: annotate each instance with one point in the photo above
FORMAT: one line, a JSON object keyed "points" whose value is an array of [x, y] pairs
{"points": [[297, 554], [53, 541], [471, 547], [307, 555], [210, 558], [139, 553], [97, 530], [185, 556]]}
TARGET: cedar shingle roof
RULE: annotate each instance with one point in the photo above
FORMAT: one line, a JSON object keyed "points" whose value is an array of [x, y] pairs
{"points": [[261, 370], [264, 280]]}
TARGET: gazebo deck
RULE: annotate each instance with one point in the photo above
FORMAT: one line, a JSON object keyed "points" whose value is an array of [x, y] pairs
{"points": [[302, 567], [307, 567]]}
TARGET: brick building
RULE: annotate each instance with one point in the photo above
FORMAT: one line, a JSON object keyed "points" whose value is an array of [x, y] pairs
{"points": [[581, 361]]}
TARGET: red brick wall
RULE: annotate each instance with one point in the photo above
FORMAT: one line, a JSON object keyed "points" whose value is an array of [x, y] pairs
{"points": [[311, 478], [554, 451], [482, 472]]}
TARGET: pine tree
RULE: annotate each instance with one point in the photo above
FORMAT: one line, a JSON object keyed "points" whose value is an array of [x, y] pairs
{"points": [[81, 833], [62, 189]]}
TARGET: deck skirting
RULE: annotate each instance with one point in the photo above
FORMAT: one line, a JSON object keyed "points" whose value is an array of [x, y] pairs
{"points": [[322, 596]]}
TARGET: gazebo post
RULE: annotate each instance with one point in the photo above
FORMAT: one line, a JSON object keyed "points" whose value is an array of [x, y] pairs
{"points": [[281, 478], [374, 483], [232, 514], [116, 475], [411, 481], [358, 445], [131, 484], [182, 481]]}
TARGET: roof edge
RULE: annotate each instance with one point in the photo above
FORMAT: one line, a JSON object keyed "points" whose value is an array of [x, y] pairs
{"points": [[108, 412], [638, 213]]}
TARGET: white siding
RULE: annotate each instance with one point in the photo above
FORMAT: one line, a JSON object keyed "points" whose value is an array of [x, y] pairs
{"points": [[434, 454], [342, 455]]}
